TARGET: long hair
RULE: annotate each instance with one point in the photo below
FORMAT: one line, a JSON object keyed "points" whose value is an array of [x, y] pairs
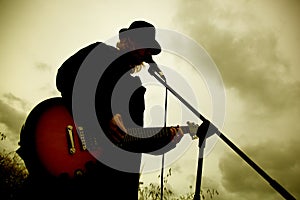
{"points": [[128, 45]]}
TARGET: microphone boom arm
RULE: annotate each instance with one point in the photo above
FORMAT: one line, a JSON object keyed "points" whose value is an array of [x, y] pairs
{"points": [[280, 189]]}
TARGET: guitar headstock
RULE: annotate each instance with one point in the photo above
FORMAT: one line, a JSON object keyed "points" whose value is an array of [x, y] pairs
{"points": [[192, 129]]}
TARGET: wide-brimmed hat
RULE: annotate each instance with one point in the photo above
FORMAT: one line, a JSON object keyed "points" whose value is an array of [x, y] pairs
{"points": [[143, 33]]}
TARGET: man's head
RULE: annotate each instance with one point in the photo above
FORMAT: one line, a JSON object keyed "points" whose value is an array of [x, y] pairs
{"points": [[141, 34]]}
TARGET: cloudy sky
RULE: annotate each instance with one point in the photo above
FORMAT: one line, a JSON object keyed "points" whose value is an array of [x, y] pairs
{"points": [[254, 44]]}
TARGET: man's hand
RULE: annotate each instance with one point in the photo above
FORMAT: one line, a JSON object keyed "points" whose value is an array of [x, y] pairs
{"points": [[176, 134], [118, 130]]}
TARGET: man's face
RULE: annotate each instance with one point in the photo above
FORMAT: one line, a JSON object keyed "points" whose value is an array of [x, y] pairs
{"points": [[139, 56]]}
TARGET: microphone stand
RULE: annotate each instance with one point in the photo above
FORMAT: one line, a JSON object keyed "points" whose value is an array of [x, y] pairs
{"points": [[163, 156], [202, 137], [201, 142]]}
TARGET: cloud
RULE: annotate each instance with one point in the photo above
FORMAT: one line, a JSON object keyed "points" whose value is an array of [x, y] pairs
{"points": [[240, 179], [244, 49], [15, 101], [11, 119], [43, 67], [258, 75]]}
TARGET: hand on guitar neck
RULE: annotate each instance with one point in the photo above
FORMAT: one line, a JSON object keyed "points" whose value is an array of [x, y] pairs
{"points": [[119, 133], [117, 127]]}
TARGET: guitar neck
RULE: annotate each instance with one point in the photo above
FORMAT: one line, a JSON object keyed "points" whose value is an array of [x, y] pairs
{"points": [[151, 131], [147, 139], [138, 134]]}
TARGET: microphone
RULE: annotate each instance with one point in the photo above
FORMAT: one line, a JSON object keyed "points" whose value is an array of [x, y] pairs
{"points": [[154, 68]]}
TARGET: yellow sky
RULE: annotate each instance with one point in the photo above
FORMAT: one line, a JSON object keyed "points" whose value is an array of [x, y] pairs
{"points": [[255, 44]]}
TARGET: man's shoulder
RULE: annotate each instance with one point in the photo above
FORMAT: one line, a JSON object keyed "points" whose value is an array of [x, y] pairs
{"points": [[84, 51], [101, 44], [100, 47]]}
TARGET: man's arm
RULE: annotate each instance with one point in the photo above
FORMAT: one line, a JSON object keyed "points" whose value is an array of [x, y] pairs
{"points": [[164, 141]]}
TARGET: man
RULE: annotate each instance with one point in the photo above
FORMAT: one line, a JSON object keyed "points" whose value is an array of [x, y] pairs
{"points": [[119, 105]]}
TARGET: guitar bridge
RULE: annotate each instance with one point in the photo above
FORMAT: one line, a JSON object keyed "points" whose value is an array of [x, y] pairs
{"points": [[70, 137]]}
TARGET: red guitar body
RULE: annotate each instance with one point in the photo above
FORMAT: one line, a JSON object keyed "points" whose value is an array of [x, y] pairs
{"points": [[54, 148], [51, 144]]}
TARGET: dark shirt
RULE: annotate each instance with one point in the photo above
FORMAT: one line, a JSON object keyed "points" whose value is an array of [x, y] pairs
{"points": [[117, 91], [110, 182]]}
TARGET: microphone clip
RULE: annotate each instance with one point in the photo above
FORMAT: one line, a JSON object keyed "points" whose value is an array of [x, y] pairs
{"points": [[153, 68]]}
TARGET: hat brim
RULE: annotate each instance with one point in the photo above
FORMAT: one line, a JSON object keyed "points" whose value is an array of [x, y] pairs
{"points": [[156, 49], [152, 45]]}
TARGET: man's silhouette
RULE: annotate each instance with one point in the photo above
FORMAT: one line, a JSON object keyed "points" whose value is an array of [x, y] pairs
{"points": [[101, 180]]}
